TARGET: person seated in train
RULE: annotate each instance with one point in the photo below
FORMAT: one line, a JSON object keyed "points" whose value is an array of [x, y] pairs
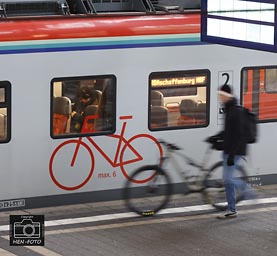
{"points": [[85, 98]]}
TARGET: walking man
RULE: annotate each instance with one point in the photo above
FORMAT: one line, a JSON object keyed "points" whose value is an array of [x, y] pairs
{"points": [[234, 147]]}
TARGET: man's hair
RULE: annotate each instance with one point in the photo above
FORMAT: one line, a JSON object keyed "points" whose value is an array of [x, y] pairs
{"points": [[85, 92], [225, 90]]}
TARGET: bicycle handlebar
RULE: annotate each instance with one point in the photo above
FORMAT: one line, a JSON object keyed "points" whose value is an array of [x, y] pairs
{"points": [[170, 146]]}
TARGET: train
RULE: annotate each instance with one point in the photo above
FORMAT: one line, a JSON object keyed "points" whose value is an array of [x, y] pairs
{"points": [[151, 77]]}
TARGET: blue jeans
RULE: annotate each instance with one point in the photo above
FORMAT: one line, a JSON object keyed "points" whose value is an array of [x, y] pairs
{"points": [[231, 183]]}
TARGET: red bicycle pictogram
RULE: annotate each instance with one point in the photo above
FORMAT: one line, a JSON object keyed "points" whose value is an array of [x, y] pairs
{"points": [[118, 160]]}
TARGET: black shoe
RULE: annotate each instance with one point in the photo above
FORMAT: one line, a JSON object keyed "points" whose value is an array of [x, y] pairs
{"points": [[227, 215]]}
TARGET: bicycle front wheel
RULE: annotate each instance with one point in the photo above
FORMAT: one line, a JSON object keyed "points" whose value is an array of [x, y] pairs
{"points": [[152, 196], [214, 192]]}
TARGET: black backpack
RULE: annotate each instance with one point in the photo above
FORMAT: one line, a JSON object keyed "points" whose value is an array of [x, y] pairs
{"points": [[250, 129]]}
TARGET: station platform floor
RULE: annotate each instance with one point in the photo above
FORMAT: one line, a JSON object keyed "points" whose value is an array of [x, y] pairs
{"points": [[186, 227]]}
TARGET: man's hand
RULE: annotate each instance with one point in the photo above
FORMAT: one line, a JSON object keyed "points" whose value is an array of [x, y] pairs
{"points": [[73, 113], [230, 160], [211, 139]]}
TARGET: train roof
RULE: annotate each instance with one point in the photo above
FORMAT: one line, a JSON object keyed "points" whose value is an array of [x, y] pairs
{"points": [[33, 8]]}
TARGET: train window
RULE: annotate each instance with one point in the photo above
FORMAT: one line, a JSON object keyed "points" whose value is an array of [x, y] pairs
{"points": [[5, 114], [259, 91], [179, 99], [83, 106], [271, 80]]}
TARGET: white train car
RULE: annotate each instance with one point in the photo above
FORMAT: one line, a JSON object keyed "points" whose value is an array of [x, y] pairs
{"points": [[152, 78]]}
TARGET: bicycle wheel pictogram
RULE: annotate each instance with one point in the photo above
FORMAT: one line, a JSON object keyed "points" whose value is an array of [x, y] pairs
{"points": [[149, 151], [68, 169]]}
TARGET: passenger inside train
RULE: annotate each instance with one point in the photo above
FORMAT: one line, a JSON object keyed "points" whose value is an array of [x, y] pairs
{"points": [[82, 105], [86, 96]]}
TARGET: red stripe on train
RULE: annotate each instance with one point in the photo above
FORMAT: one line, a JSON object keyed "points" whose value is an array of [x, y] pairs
{"points": [[66, 28]]}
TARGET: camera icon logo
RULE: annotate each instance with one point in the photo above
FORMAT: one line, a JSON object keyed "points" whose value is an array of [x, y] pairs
{"points": [[26, 229]]}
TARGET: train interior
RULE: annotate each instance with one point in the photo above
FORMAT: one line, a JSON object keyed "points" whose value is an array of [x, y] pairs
{"points": [[259, 92], [3, 116], [177, 110], [178, 100], [92, 99]]}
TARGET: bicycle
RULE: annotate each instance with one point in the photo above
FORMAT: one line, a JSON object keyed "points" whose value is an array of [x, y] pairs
{"points": [[121, 158], [150, 198]]}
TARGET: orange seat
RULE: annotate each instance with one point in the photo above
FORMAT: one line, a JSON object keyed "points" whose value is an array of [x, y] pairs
{"points": [[61, 114], [201, 113], [90, 117], [59, 123], [187, 112], [157, 98], [159, 116]]}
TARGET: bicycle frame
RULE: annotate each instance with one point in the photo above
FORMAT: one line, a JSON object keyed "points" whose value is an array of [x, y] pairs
{"points": [[169, 156], [121, 140]]}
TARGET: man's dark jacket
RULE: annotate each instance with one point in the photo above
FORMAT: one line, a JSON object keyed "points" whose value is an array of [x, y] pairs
{"points": [[232, 135]]}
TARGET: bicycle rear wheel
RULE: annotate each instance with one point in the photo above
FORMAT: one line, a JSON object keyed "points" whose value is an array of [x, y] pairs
{"points": [[214, 192], [152, 196]]}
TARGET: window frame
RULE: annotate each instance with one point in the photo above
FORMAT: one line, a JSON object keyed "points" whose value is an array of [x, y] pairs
{"points": [[7, 104], [257, 109], [232, 41], [80, 78], [180, 73]]}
